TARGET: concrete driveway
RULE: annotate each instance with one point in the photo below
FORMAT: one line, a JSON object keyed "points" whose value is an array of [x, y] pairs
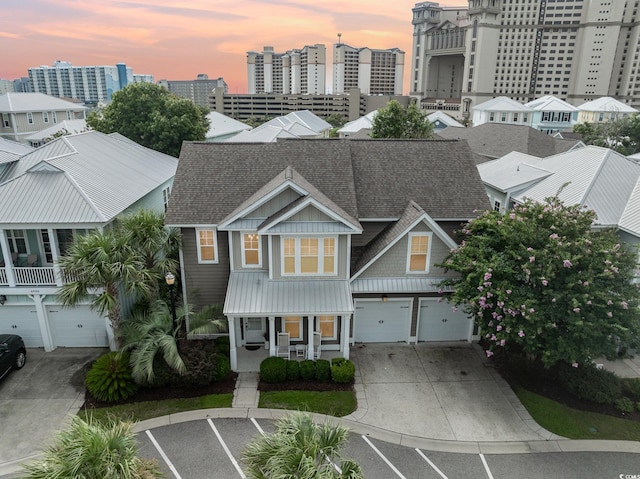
{"points": [[35, 400], [444, 391]]}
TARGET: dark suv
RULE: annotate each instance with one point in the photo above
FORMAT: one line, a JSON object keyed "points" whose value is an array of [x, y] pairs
{"points": [[13, 354]]}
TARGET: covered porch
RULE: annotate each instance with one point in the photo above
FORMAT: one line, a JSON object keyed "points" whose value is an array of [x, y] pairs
{"points": [[259, 309]]}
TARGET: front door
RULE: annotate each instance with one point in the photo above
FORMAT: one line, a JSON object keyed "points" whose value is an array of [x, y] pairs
{"points": [[254, 329]]}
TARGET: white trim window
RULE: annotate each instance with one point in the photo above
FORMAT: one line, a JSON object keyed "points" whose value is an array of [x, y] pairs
{"points": [[328, 327], [30, 118], [166, 194], [45, 116], [251, 251], [309, 256], [419, 252], [6, 123], [17, 241], [54, 116], [293, 326], [207, 245]]}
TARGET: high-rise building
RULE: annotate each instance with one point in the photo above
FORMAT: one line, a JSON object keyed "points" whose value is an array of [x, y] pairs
{"points": [[6, 86], [298, 71], [86, 83], [577, 50], [197, 90], [374, 72], [22, 85]]}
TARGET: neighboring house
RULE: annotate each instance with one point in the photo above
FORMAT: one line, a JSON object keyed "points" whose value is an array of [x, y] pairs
{"points": [[363, 124], [491, 140], [551, 114], [501, 110], [10, 151], [264, 134], [71, 185], [339, 237], [441, 121], [304, 118], [604, 109], [22, 114], [221, 127], [66, 127], [595, 177], [300, 124]]}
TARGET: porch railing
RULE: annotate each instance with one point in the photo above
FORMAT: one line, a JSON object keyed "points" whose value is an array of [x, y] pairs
{"points": [[39, 276], [3, 277]]}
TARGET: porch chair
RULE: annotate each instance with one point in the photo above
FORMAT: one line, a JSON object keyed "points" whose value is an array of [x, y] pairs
{"points": [[283, 350], [317, 342], [32, 260]]}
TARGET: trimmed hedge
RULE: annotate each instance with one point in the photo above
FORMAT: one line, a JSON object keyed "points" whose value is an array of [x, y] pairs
{"points": [[592, 384], [323, 370], [222, 367], [273, 370], [308, 369], [293, 370], [343, 371]]}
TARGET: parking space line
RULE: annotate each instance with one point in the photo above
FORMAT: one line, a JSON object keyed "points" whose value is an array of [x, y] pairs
{"points": [[255, 423], [393, 468], [486, 466], [226, 449], [164, 456], [435, 468]]}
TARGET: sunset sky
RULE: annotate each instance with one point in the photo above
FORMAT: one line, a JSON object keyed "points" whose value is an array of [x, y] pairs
{"points": [[176, 40]]}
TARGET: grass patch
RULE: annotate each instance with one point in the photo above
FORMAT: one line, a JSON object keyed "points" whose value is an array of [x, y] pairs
{"points": [[149, 409], [575, 424], [334, 403]]}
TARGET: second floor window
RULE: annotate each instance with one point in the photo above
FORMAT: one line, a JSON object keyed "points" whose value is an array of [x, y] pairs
{"points": [[309, 256], [207, 247], [30, 118], [251, 256], [418, 254], [17, 242]]}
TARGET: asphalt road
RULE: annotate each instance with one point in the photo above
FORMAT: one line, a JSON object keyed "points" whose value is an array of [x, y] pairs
{"points": [[212, 448]]}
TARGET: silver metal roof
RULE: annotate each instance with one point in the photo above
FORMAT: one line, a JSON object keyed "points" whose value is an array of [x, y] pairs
{"points": [[18, 102], [253, 294], [512, 170], [398, 285], [310, 227], [12, 150]]}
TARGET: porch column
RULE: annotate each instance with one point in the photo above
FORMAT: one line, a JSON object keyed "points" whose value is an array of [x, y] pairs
{"points": [[57, 271], [272, 336], [6, 254], [233, 354], [310, 337], [344, 335], [43, 321]]}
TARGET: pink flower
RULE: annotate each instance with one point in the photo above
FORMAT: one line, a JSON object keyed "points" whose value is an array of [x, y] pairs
{"points": [[532, 310], [609, 302], [586, 283], [624, 305], [576, 310], [489, 353], [553, 300], [566, 263], [512, 216], [532, 259], [454, 309], [554, 236], [499, 327], [502, 341], [545, 282], [487, 276], [575, 365], [508, 291], [610, 314], [529, 248], [521, 333]]}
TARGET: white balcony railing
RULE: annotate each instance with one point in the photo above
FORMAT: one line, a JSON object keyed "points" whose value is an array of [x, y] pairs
{"points": [[30, 276]]}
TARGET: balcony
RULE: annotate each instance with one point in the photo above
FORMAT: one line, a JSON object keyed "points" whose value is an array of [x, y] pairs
{"points": [[29, 276]]}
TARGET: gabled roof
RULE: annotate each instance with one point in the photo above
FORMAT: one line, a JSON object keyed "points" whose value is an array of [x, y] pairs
{"points": [[84, 178], [550, 103], [302, 117], [266, 134], [68, 126], [598, 178], [23, 102], [494, 140], [607, 104], [364, 178], [362, 123], [221, 125], [444, 118], [501, 103], [512, 170], [12, 150], [411, 216]]}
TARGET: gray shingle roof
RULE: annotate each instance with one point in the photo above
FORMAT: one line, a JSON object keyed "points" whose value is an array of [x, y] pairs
{"points": [[493, 140], [367, 179]]}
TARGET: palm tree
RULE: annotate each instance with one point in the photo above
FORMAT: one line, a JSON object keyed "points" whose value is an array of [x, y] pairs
{"points": [[300, 448], [100, 266], [94, 450], [149, 333]]}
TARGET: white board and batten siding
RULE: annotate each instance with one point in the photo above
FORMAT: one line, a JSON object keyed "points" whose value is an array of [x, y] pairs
{"points": [[437, 321], [377, 321]]}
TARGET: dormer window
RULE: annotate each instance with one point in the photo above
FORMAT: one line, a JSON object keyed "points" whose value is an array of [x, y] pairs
{"points": [[418, 252], [251, 254]]}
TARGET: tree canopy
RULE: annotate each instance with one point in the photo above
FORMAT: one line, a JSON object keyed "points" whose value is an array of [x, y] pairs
{"points": [[396, 121], [540, 279], [153, 117], [621, 135]]}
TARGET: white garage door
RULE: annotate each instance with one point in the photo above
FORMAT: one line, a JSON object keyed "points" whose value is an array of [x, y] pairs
{"points": [[438, 322], [382, 322], [77, 327], [23, 321]]}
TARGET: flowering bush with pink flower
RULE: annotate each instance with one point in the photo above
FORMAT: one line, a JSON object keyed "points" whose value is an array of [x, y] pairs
{"points": [[540, 278]]}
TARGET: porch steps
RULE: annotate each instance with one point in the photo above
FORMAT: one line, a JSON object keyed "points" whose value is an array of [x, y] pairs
{"points": [[246, 394]]}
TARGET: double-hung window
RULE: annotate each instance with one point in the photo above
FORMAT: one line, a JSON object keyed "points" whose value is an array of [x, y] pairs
{"points": [[309, 256], [328, 327], [17, 241], [293, 326], [30, 118], [251, 254], [45, 116], [207, 245], [418, 253]]}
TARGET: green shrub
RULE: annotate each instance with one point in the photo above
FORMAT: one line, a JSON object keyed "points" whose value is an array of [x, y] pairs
{"points": [[293, 370], [273, 370], [592, 384], [632, 387], [222, 345], [623, 404], [109, 379], [307, 369], [323, 370], [222, 367], [343, 371]]}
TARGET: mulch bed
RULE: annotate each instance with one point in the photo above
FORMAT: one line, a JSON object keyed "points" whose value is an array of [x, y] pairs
{"points": [[304, 385]]}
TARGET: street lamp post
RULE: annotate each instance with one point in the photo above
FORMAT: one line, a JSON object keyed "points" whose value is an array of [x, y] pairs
{"points": [[171, 279]]}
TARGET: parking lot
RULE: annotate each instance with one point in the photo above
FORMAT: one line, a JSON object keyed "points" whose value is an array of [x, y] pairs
{"points": [[213, 448]]}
